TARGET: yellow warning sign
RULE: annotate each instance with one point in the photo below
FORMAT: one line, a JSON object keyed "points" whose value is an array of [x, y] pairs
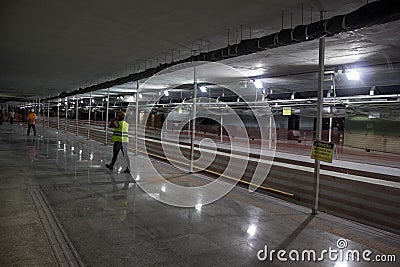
{"points": [[287, 111], [322, 151]]}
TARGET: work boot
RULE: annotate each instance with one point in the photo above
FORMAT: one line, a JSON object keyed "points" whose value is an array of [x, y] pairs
{"points": [[109, 166], [127, 170]]}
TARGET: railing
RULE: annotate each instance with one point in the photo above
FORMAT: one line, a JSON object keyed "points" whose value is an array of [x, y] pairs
{"points": [[95, 130]]}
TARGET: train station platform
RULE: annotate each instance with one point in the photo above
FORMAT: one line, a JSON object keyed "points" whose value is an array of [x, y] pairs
{"points": [[61, 206]]}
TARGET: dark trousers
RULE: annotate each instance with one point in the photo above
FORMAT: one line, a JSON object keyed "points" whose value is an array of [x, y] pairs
{"points": [[33, 128], [11, 120], [124, 148]]}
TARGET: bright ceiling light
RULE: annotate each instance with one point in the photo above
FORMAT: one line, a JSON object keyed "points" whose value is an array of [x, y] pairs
{"points": [[203, 89], [258, 84], [130, 98], [353, 75]]}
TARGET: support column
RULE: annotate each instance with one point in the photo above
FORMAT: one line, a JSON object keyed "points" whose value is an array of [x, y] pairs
{"points": [[188, 130], [222, 129], [41, 106], [193, 135], [77, 116], [58, 116], [90, 112], [270, 131], [66, 113], [48, 113], [108, 101], [317, 164], [137, 118], [330, 108], [102, 113], [166, 126]]}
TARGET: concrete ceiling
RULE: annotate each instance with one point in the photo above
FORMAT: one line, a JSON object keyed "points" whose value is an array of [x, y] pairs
{"points": [[49, 47]]}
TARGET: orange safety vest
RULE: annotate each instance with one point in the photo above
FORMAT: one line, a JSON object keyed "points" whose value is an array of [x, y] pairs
{"points": [[32, 118]]}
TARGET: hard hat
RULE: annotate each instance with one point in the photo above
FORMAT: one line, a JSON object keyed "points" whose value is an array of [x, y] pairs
{"points": [[121, 113], [32, 110]]}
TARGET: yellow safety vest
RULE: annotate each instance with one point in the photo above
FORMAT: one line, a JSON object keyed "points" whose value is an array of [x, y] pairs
{"points": [[121, 132]]}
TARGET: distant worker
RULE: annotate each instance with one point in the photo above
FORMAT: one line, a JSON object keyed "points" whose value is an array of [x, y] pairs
{"points": [[12, 115], [1, 117], [32, 122], [120, 139]]}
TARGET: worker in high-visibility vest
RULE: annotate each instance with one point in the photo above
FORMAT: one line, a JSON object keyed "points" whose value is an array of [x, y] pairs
{"points": [[31, 122], [120, 139]]}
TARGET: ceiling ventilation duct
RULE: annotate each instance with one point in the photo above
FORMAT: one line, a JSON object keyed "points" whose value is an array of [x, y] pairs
{"points": [[316, 30], [267, 42], [299, 33], [248, 46], [370, 14], [373, 13], [285, 37], [334, 25]]}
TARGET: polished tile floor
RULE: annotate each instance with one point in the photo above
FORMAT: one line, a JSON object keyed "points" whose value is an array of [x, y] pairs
{"points": [[111, 221]]}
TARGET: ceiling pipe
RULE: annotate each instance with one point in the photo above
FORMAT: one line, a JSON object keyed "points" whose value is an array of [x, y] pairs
{"points": [[378, 12], [327, 101], [299, 100]]}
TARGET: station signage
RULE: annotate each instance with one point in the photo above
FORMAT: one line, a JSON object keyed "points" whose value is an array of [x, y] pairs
{"points": [[287, 111], [322, 151]]}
